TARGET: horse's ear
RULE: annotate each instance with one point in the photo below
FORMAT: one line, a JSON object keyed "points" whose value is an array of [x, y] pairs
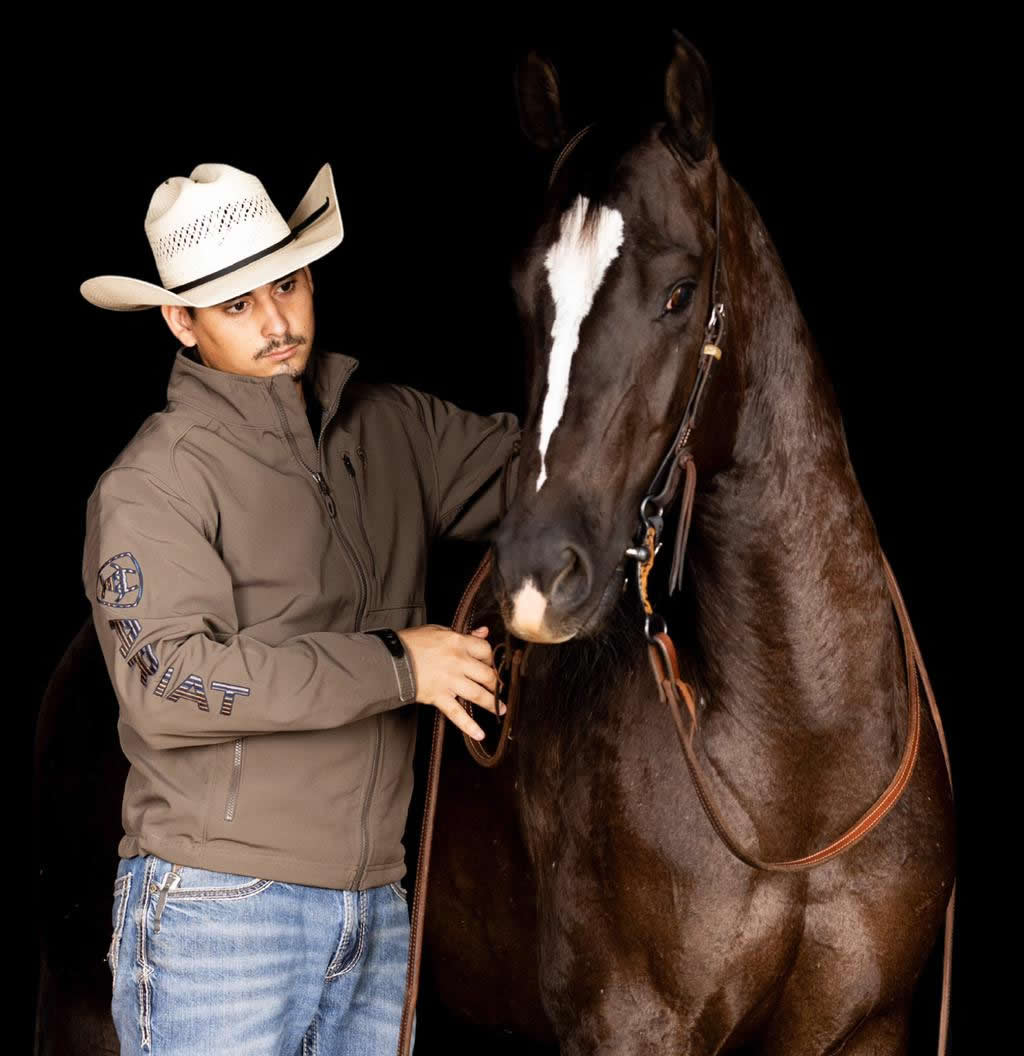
{"points": [[538, 101], [688, 99]]}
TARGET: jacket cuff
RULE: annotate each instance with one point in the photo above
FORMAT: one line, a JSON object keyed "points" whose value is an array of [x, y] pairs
{"points": [[399, 660], [385, 674]]}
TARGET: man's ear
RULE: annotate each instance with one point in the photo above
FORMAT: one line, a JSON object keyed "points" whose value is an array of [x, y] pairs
{"points": [[180, 323]]}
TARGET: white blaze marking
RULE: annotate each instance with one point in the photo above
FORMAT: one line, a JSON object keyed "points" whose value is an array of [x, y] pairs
{"points": [[575, 270]]}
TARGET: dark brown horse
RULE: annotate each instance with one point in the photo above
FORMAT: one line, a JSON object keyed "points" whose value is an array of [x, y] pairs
{"points": [[578, 891]]}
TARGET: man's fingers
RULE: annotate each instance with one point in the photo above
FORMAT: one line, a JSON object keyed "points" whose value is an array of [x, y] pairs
{"points": [[482, 672], [477, 694], [478, 648], [457, 713]]}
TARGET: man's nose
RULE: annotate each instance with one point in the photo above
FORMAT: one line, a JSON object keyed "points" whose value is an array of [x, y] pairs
{"points": [[274, 320]]}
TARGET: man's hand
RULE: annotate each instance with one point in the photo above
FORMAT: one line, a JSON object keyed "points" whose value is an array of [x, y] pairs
{"points": [[445, 663]]}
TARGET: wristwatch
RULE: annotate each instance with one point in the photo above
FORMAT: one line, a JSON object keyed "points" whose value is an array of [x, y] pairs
{"points": [[406, 682]]}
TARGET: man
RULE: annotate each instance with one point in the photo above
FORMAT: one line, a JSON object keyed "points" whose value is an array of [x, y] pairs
{"points": [[255, 559]]}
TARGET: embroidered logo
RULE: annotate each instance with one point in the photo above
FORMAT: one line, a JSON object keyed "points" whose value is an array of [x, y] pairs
{"points": [[229, 691], [144, 661], [193, 688], [119, 582]]}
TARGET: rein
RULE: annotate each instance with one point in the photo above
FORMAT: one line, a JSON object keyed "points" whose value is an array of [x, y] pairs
{"points": [[672, 689]]}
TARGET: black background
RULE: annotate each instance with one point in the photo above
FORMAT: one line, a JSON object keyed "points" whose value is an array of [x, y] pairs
{"points": [[840, 133]]}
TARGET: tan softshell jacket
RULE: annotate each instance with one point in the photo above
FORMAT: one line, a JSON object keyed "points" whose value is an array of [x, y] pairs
{"points": [[233, 563]]}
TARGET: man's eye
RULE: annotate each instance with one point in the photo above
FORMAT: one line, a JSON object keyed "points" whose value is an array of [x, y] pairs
{"points": [[287, 282]]}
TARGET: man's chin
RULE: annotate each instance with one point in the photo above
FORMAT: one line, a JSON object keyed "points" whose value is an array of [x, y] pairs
{"points": [[291, 368]]}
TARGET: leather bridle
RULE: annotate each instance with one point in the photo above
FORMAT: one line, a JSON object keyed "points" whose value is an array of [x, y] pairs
{"points": [[672, 689]]}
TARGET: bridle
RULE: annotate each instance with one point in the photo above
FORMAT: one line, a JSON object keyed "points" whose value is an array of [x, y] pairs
{"points": [[672, 689]]}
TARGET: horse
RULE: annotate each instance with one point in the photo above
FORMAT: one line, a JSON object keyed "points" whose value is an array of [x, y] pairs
{"points": [[581, 899]]}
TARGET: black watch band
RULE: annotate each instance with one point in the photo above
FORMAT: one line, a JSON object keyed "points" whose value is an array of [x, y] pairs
{"points": [[403, 669]]}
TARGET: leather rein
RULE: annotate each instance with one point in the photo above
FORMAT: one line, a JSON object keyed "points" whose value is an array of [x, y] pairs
{"points": [[673, 690]]}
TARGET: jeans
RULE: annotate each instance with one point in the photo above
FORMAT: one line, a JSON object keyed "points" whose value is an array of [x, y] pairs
{"points": [[216, 963]]}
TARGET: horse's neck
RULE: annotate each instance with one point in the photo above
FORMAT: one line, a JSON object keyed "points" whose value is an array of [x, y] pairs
{"points": [[794, 627]]}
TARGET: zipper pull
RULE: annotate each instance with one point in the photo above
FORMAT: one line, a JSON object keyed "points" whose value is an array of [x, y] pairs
{"points": [[326, 491]]}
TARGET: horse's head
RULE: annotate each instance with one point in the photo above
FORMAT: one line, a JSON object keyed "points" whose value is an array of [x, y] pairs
{"points": [[614, 294]]}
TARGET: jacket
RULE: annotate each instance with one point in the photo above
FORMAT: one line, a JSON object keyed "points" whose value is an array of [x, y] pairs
{"points": [[234, 563]]}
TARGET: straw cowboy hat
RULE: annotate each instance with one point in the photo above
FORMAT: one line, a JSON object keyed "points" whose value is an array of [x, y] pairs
{"points": [[216, 234]]}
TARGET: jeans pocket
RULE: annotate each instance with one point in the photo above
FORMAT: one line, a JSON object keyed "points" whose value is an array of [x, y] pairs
{"points": [[191, 882], [181, 884], [122, 889], [396, 886]]}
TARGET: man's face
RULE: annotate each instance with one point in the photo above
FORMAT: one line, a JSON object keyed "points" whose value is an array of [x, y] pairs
{"points": [[243, 335]]}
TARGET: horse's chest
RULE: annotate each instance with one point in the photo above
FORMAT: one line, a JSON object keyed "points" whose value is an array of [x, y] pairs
{"points": [[631, 879]]}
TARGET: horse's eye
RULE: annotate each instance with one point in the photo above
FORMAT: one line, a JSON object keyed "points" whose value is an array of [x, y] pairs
{"points": [[680, 297]]}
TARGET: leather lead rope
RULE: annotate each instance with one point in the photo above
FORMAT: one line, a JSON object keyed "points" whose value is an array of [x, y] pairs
{"points": [[514, 656], [512, 665]]}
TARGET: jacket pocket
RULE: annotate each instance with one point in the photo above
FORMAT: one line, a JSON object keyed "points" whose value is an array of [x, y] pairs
{"points": [[122, 889], [234, 782], [359, 487]]}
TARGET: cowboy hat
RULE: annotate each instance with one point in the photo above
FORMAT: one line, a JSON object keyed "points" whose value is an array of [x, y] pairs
{"points": [[216, 234]]}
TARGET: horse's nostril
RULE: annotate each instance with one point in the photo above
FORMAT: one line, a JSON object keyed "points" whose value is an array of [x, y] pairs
{"points": [[572, 581]]}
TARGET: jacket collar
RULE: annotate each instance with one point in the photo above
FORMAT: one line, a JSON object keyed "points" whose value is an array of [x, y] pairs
{"points": [[238, 398]]}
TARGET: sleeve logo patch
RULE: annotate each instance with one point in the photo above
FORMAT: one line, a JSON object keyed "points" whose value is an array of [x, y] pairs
{"points": [[119, 582]]}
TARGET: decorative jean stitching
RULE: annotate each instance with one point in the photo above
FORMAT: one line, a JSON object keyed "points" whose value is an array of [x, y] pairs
{"points": [[394, 885], [310, 1040], [144, 969], [361, 899], [346, 931], [244, 891], [113, 954]]}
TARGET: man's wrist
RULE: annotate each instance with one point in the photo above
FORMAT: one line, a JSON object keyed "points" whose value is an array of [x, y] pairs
{"points": [[400, 660]]}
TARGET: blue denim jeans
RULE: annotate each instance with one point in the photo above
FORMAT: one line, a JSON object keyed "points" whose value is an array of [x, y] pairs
{"points": [[219, 963]]}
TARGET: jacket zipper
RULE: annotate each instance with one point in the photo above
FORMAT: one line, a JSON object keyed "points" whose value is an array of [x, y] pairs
{"points": [[364, 828], [325, 491], [359, 505], [236, 777]]}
